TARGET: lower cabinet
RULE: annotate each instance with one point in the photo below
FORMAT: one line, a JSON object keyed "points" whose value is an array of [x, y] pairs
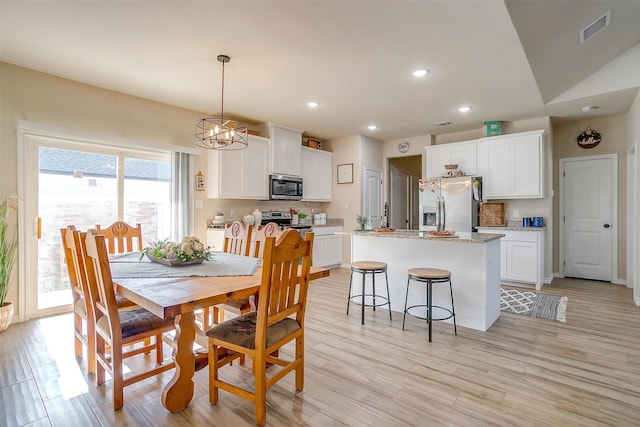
{"points": [[327, 247], [521, 255]]}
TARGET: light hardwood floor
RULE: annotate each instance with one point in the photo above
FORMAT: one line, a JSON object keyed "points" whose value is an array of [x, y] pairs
{"points": [[523, 371]]}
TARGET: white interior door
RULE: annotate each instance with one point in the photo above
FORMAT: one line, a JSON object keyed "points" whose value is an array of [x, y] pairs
{"points": [[589, 220], [372, 195], [399, 201]]}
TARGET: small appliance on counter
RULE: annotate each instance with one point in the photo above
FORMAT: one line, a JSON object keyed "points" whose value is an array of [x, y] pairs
{"points": [[283, 219]]}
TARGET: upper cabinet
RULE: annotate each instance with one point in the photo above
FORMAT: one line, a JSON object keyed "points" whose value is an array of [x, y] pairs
{"points": [[461, 153], [286, 144], [317, 180], [512, 166], [240, 174]]}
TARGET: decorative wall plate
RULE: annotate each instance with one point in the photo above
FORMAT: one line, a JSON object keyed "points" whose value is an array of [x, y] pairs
{"points": [[589, 138]]}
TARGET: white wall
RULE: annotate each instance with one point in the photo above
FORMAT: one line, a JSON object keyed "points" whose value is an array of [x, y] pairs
{"points": [[633, 141]]}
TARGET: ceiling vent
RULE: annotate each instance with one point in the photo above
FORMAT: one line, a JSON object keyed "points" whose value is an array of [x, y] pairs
{"points": [[442, 124], [595, 27]]}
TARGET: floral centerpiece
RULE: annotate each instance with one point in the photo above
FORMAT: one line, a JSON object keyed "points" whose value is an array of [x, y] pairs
{"points": [[190, 251]]}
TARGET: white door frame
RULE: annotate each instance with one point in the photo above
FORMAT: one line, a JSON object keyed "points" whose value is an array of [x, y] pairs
{"points": [[614, 209]]}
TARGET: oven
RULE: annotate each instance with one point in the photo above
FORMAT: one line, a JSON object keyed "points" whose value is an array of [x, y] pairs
{"points": [[283, 219], [283, 187]]}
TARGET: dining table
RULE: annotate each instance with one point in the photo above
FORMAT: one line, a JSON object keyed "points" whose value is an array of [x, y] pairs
{"points": [[177, 292]]}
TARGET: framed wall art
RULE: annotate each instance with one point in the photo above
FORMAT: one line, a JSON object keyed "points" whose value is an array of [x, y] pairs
{"points": [[345, 173], [200, 182]]}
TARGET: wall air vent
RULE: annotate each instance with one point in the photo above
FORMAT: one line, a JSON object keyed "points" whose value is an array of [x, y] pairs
{"points": [[441, 124], [595, 27]]}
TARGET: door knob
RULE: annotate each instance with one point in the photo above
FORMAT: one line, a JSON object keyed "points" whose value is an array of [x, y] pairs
{"points": [[607, 226]]}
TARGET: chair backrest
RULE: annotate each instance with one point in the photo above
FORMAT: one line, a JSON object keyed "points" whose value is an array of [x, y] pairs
{"points": [[120, 237], [75, 263], [237, 238], [101, 288], [284, 285], [270, 229]]}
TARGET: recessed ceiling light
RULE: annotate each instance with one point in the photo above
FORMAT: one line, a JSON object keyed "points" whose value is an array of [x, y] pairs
{"points": [[588, 108], [420, 73], [464, 109], [372, 127], [312, 104]]}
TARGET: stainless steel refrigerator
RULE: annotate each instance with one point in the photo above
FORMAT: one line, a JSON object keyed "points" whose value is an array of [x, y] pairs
{"points": [[450, 203]]}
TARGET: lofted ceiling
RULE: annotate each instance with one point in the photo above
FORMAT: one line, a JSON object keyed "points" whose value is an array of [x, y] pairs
{"points": [[509, 60]]}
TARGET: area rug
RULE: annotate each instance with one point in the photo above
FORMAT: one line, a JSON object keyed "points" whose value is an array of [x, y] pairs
{"points": [[544, 306]]}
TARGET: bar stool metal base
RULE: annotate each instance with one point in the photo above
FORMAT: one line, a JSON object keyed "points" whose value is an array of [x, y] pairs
{"points": [[372, 268], [430, 276]]}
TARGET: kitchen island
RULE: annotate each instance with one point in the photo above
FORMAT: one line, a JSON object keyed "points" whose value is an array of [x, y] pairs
{"points": [[472, 258]]}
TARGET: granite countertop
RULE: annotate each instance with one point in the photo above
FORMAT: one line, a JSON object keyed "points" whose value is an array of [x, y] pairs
{"points": [[424, 235]]}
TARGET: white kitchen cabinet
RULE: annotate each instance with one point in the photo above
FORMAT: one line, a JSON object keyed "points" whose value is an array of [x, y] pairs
{"points": [[317, 178], [286, 144], [215, 239], [512, 166], [521, 255], [240, 174], [461, 153], [327, 247]]}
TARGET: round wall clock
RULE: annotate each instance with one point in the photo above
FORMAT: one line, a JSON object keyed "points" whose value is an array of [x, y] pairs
{"points": [[403, 147], [589, 138]]}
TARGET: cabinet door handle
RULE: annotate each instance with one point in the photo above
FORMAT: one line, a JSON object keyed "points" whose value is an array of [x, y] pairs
{"points": [[607, 226]]}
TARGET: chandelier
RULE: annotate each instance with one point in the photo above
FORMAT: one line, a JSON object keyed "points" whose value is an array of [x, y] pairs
{"points": [[218, 133]]}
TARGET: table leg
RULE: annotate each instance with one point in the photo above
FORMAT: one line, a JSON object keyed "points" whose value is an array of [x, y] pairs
{"points": [[178, 392]]}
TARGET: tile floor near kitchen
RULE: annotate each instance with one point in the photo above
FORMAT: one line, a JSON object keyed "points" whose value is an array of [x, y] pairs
{"points": [[523, 371]]}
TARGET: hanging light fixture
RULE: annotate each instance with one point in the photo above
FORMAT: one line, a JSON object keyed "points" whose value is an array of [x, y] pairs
{"points": [[218, 133]]}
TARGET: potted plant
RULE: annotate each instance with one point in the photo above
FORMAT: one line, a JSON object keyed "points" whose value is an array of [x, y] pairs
{"points": [[301, 218], [361, 220], [8, 250]]}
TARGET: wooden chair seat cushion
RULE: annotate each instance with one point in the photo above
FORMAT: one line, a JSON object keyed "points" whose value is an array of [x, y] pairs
{"points": [[238, 306], [135, 322], [241, 330]]}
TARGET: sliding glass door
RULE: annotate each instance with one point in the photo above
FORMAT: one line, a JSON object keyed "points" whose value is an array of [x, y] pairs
{"points": [[85, 185]]}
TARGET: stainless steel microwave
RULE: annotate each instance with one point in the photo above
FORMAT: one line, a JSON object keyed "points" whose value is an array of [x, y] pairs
{"points": [[283, 187]]}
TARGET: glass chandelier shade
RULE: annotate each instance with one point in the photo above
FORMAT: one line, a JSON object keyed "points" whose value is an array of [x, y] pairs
{"points": [[218, 133]]}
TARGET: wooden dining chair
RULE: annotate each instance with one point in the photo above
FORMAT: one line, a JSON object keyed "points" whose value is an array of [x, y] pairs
{"points": [[278, 320], [237, 240], [122, 237], [270, 229], [118, 329], [83, 318]]}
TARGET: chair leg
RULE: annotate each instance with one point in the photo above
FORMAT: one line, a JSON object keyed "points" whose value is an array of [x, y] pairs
{"points": [[218, 315], [300, 368], [453, 309], [349, 294], [91, 349], [388, 294], [101, 348], [117, 378], [260, 375], [213, 374], [77, 326], [364, 279], [373, 279], [406, 299], [429, 307]]}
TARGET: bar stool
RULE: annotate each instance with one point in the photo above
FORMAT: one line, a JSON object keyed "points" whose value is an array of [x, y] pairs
{"points": [[430, 276], [372, 268]]}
